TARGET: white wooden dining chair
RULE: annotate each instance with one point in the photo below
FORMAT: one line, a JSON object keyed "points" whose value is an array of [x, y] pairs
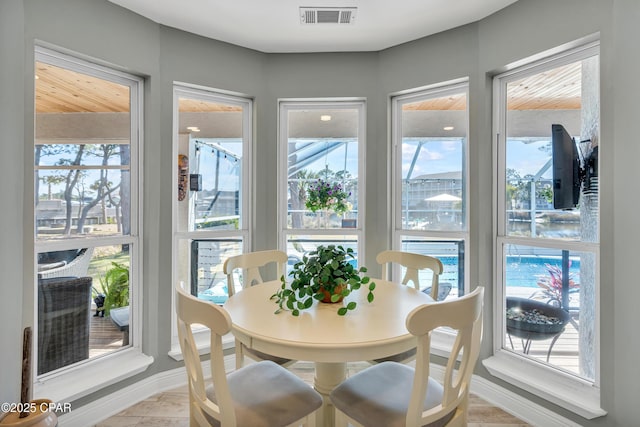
{"points": [[250, 264], [262, 394], [413, 263], [392, 394]]}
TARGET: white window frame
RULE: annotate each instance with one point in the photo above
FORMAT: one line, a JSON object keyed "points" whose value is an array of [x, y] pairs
{"points": [[186, 90], [286, 105], [442, 340], [569, 391], [85, 377]]}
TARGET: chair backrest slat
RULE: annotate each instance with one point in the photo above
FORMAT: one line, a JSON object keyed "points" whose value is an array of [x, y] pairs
{"points": [[413, 263], [250, 263], [191, 311], [464, 316]]}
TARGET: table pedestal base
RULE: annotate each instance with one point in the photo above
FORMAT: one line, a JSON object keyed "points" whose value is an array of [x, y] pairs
{"points": [[328, 376]]}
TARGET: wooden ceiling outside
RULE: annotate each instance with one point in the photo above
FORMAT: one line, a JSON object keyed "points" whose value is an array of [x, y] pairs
{"points": [[446, 103], [62, 91], [557, 89]]}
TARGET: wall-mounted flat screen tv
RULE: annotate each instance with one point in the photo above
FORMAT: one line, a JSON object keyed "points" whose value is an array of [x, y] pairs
{"points": [[566, 169]]}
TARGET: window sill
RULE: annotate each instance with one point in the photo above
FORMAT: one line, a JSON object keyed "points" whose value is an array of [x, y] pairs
{"points": [[442, 340], [92, 376], [571, 393]]}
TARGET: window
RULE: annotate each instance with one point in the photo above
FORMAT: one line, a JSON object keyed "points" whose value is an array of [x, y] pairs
{"points": [[212, 203], [86, 154], [321, 149], [547, 242], [429, 139]]}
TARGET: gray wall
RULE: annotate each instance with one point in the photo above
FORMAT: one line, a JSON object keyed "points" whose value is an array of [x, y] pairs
{"points": [[101, 30], [621, 234], [11, 246], [316, 75]]}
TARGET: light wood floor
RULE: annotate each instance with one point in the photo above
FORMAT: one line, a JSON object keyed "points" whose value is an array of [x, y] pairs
{"points": [[171, 408]]}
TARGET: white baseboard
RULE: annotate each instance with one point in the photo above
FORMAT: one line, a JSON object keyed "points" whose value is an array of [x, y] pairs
{"points": [[114, 403], [510, 402], [108, 406]]}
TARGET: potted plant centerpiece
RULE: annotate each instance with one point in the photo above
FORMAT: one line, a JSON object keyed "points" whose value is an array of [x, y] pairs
{"points": [[326, 274]]}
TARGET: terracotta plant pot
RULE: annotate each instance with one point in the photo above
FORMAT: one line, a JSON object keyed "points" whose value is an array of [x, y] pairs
{"points": [[327, 294]]}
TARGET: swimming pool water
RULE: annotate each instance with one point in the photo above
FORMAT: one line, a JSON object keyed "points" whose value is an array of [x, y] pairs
{"points": [[525, 271], [521, 271]]}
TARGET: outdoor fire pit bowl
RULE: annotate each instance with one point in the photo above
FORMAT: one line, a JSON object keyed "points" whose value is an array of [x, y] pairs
{"points": [[533, 320], [535, 316]]}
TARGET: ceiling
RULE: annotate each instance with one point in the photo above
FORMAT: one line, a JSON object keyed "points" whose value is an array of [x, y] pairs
{"points": [[275, 26], [64, 91]]}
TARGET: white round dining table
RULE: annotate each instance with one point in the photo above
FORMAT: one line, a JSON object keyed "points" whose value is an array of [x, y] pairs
{"points": [[371, 331]]}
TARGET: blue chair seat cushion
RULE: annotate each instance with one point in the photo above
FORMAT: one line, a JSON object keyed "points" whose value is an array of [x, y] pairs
{"points": [[399, 357], [267, 395], [258, 355], [379, 396]]}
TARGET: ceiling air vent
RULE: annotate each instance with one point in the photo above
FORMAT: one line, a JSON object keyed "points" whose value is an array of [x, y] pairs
{"points": [[327, 15]]}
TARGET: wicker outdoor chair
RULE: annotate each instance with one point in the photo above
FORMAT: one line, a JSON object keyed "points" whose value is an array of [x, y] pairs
{"points": [[64, 310], [75, 267]]}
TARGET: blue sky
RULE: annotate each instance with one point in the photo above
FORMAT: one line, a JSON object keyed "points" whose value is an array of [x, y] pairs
{"points": [[528, 157], [435, 156]]}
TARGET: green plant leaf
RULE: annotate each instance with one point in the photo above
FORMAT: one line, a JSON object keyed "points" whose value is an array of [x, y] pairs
{"points": [[342, 311], [335, 297], [370, 296], [351, 305], [115, 287]]}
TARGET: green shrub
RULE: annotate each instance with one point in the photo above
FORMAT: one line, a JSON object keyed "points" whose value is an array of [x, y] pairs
{"points": [[115, 287]]}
